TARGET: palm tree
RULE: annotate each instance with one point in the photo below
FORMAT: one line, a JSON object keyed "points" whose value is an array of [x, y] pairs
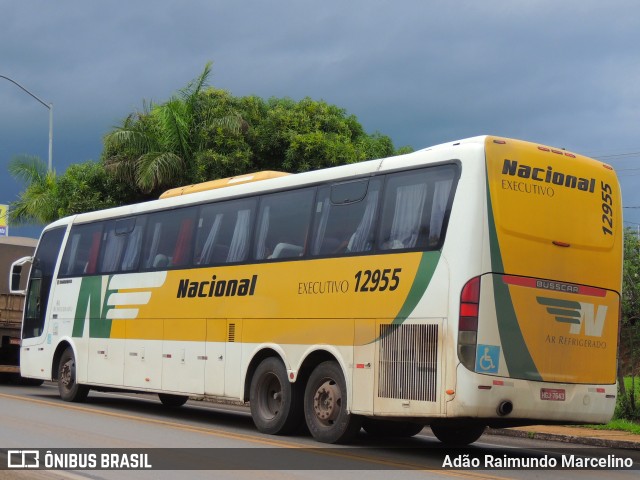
{"points": [[153, 149], [38, 203]]}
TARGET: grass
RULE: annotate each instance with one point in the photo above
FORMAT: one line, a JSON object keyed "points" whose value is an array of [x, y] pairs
{"points": [[619, 424], [623, 424], [627, 384]]}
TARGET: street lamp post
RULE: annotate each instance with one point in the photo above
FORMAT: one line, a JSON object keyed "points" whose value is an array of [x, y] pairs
{"points": [[47, 105]]}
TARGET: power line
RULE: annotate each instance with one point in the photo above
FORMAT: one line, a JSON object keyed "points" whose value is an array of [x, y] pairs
{"points": [[617, 155], [628, 169]]}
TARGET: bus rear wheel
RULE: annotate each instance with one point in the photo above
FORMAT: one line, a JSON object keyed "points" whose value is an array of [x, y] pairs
{"points": [[173, 401], [70, 390], [325, 406], [457, 435], [276, 403]]}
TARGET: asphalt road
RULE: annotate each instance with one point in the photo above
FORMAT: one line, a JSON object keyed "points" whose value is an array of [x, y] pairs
{"points": [[220, 441]]}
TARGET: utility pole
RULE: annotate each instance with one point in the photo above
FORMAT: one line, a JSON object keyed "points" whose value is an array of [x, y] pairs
{"points": [[47, 105]]}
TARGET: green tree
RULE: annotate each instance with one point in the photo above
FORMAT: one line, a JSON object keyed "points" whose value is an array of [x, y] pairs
{"points": [[221, 137], [85, 187], [309, 134], [630, 325], [154, 149], [199, 134], [38, 203], [206, 133]]}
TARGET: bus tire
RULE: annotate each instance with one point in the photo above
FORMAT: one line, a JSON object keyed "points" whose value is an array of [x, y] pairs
{"points": [[457, 435], [70, 390], [276, 403], [325, 406], [172, 401], [377, 427]]}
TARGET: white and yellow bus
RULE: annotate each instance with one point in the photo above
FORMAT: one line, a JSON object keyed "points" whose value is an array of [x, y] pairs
{"points": [[471, 284]]}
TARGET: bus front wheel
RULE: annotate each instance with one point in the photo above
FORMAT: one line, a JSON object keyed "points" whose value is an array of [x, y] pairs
{"points": [[276, 404], [325, 406], [70, 390], [457, 435]]}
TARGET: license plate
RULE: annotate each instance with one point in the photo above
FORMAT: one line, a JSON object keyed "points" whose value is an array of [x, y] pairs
{"points": [[555, 394], [14, 341]]}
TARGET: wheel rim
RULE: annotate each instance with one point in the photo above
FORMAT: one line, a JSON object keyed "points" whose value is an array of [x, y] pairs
{"points": [[270, 397], [66, 375], [327, 402]]}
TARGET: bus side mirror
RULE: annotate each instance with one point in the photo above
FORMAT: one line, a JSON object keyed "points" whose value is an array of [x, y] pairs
{"points": [[16, 275]]}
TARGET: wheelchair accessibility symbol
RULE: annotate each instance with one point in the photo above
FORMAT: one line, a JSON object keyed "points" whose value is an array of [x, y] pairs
{"points": [[487, 358]]}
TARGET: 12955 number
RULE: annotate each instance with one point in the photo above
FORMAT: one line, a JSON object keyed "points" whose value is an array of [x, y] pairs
{"points": [[378, 280], [607, 209]]}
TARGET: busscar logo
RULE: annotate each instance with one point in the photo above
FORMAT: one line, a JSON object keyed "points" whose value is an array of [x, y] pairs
{"points": [[580, 316]]}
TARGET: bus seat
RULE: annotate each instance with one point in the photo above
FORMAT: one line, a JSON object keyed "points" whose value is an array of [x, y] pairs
{"points": [[286, 250], [160, 261]]}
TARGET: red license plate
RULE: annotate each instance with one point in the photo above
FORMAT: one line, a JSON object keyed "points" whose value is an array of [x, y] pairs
{"points": [[554, 394]]}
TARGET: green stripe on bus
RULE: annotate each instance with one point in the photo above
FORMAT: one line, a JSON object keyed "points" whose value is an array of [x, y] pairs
{"points": [[90, 306], [556, 302], [561, 311], [516, 353], [426, 268]]}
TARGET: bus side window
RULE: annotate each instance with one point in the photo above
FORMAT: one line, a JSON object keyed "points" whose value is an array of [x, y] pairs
{"points": [[82, 250], [224, 232], [131, 256], [169, 239], [283, 224], [439, 206], [122, 240], [402, 217], [415, 208], [346, 217]]}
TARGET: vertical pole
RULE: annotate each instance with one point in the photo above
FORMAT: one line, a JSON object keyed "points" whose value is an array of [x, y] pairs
{"points": [[50, 137]]}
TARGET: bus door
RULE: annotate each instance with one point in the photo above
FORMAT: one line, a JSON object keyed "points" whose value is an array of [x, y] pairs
{"points": [[38, 294]]}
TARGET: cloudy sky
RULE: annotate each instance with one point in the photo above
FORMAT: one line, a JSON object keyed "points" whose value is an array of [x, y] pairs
{"points": [[563, 73]]}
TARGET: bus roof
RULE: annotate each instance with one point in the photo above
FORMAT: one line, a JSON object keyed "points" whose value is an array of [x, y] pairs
{"points": [[273, 181], [223, 182], [174, 198]]}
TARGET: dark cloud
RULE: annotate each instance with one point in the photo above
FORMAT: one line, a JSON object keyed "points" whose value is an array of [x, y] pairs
{"points": [[560, 73]]}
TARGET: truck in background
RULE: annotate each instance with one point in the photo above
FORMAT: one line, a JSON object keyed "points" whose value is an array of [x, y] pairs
{"points": [[11, 306]]}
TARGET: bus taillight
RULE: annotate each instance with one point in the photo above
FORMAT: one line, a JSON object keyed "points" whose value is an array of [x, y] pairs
{"points": [[468, 323]]}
